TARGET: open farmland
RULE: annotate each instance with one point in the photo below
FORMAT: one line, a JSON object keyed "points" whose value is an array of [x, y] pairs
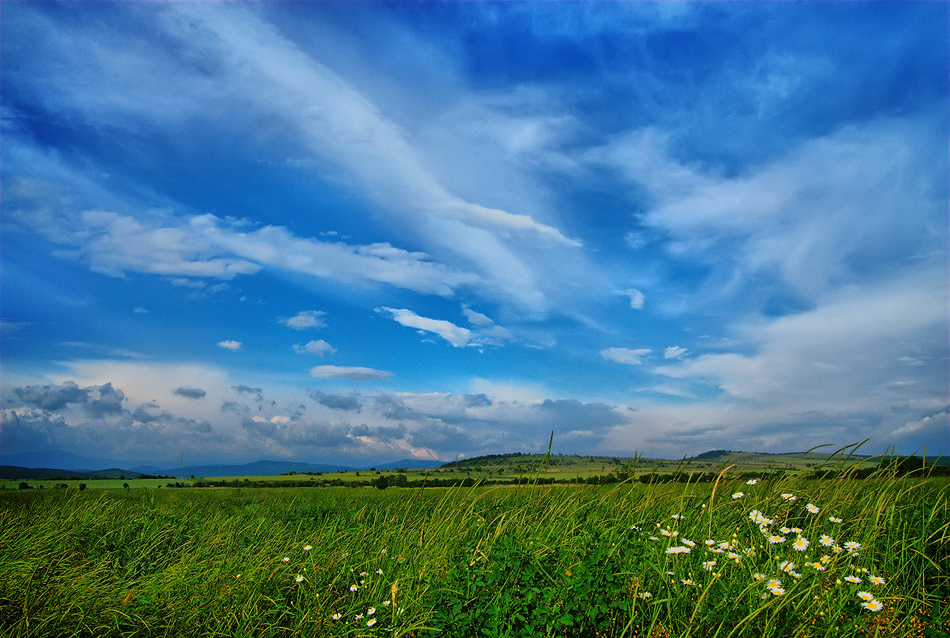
{"points": [[496, 468], [781, 557]]}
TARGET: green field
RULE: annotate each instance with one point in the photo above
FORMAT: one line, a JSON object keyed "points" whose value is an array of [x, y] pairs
{"points": [[494, 468], [628, 559]]}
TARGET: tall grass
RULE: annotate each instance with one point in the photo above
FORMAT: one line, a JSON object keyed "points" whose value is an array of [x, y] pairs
{"points": [[525, 561]]}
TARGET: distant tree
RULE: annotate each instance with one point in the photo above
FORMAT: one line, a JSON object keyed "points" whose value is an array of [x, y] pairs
{"points": [[25, 486], [125, 485], [82, 486], [381, 482]]}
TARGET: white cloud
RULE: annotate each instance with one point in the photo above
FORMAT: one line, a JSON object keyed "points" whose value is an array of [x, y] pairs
{"points": [[939, 422], [114, 243], [636, 298], [488, 333], [305, 319], [319, 348], [476, 318], [181, 282], [350, 373], [674, 352], [229, 344], [457, 336], [625, 355]]}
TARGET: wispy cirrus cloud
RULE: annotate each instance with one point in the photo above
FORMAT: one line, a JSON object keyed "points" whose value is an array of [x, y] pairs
{"points": [[339, 123], [330, 124], [205, 246], [833, 209]]}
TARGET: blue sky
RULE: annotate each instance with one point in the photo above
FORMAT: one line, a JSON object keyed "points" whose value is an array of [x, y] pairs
{"points": [[361, 232]]}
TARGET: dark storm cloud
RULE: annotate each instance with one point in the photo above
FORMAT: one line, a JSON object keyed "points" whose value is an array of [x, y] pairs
{"points": [[30, 432], [570, 414], [52, 397], [97, 400], [392, 407], [321, 435], [142, 415], [382, 433], [348, 402], [234, 406], [477, 401], [104, 400], [442, 437], [190, 393], [246, 389]]}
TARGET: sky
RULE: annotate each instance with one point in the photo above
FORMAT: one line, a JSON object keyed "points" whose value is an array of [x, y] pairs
{"points": [[365, 232]]}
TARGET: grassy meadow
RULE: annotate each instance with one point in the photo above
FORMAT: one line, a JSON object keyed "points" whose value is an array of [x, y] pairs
{"points": [[775, 557]]}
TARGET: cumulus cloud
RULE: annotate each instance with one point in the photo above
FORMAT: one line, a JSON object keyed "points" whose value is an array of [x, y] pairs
{"points": [[351, 373], [246, 389], [306, 319], [190, 393], [457, 336], [229, 344], [674, 352], [625, 355], [318, 347]]}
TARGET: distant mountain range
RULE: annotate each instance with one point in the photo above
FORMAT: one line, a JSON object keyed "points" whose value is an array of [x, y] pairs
{"points": [[58, 464]]}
